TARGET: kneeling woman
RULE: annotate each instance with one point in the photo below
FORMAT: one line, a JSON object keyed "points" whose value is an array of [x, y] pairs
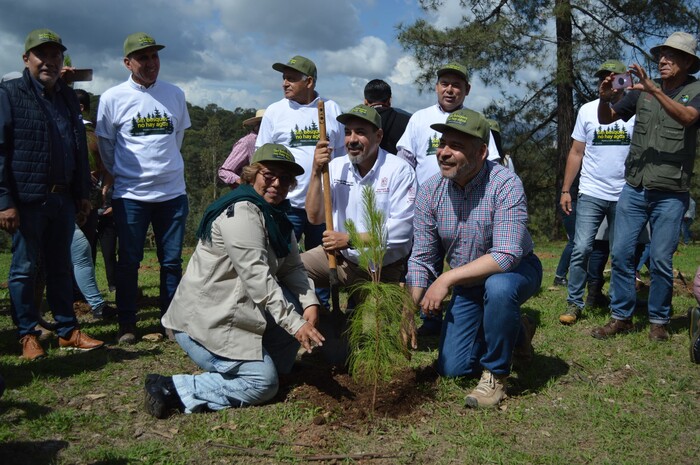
{"points": [[245, 302]]}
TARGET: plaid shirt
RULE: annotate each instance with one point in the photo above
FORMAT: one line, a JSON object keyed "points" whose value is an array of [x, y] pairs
{"points": [[487, 216]]}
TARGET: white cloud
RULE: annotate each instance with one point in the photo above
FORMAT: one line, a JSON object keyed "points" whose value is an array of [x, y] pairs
{"points": [[405, 71], [368, 59]]}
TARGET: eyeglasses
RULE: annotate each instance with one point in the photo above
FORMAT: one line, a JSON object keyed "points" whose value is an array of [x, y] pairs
{"points": [[669, 54], [270, 177]]}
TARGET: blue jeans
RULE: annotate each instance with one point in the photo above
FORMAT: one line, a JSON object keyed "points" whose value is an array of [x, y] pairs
{"points": [[45, 230], [482, 323], [664, 211], [569, 222], [132, 218], [590, 214], [313, 237], [236, 383], [84, 269]]}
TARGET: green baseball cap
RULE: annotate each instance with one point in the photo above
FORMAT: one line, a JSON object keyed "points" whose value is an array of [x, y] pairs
{"points": [[42, 36], [298, 63], [364, 112], [494, 126], [138, 41], [610, 66], [467, 121], [454, 68], [278, 153]]}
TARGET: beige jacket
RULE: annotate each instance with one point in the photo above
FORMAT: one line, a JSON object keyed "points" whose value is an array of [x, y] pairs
{"points": [[230, 283]]}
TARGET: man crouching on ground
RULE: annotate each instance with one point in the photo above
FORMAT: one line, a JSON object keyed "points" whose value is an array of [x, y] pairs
{"points": [[474, 214]]}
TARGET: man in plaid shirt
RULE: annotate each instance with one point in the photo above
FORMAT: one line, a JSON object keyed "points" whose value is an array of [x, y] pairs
{"points": [[474, 215]]}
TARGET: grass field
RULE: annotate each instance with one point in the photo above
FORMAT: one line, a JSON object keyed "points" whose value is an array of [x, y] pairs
{"points": [[623, 401]]}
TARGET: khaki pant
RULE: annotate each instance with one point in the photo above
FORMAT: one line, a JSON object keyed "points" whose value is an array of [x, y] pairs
{"points": [[316, 264]]}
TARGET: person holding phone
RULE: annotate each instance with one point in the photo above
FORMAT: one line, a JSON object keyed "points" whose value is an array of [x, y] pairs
{"points": [[657, 173]]}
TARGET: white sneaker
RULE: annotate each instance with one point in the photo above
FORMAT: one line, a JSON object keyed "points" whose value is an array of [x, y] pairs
{"points": [[489, 392]]}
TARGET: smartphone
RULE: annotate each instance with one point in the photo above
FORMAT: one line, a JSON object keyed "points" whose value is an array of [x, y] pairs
{"points": [[622, 81], [83, 74]]}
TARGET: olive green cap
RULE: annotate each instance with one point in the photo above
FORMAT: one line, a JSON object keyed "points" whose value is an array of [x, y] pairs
{"points": [[467, 121], [42, 36], [454, 68], [298, 63], [138, 41], [494, 126], [611, 66], [364, 112], [278, 153]]}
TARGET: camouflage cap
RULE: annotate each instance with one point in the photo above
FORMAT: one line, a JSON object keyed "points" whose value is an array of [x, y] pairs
{"points": [[298, 63], [278, 153], [610, 66], [364, 112], [138, 41], [454, 68], [42, 36], [468, 122]]}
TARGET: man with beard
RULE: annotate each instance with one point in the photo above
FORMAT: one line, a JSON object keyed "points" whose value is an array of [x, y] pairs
{"points": [[474, 215], [364, 165]]}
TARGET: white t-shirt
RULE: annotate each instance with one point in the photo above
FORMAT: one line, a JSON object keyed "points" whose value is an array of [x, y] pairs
{"points": [[607, 146], [394, 184], [144, 125], [295, 126], [422, 141]]}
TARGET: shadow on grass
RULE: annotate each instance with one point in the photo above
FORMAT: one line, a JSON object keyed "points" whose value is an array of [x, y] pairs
{"points": [[31, 452], [66, 366], [32, 411]]}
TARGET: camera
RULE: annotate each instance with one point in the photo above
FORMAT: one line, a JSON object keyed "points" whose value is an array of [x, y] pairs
{"points": [[622, 81]]}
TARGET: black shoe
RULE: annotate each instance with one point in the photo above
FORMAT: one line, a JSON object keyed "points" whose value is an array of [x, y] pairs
{"points": [[560, 281], [694, 332], [161, 399]]}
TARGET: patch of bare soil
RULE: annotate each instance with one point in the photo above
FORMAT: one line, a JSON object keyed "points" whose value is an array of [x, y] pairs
{"points": [[340, 399]]}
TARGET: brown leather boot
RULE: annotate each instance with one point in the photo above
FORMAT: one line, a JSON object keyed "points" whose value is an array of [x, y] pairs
{"points": [[31, 348], [613, 328], [658, 333], [78, 340]]}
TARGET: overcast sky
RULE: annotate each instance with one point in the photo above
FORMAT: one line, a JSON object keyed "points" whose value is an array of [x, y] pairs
{"points": [[222, 51]]}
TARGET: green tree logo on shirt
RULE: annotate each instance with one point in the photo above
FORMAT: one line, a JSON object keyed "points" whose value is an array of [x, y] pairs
{"points": [[152, 124], [308, 136], [613, 135], [433, 143]]}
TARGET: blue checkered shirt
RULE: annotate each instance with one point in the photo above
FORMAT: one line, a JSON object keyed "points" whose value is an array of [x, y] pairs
{"points": [[487, 216]]}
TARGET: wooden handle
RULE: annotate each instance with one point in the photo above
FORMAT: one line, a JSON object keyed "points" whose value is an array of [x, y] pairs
{"points": [[327, 201]]}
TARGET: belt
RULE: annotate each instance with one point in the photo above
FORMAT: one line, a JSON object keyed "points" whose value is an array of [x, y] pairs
{"points": [[58, 188]]}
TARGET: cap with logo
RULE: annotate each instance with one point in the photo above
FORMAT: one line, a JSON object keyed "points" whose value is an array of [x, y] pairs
{"points": [[139, 41], [364, 112], [610, 66], [685, 43], [298, 63], [468, 122], [42, 36], [454, 68], [278, 153]]}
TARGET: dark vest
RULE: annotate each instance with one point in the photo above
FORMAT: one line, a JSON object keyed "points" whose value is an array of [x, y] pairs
{"points": [[662, 152], [28, 146]]}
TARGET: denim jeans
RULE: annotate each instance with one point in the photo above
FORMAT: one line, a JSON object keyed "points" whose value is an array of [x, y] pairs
{"points": [[569, 222], [664, 211], [84, 269], [482, 323], [45, 230], [236, 383], [132, 218], [313, 237], [590, 214]]}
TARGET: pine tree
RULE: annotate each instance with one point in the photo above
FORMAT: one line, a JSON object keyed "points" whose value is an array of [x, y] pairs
{"points": [[376, 349]]}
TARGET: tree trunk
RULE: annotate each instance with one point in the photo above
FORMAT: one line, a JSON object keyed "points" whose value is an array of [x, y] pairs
{"points": [[565, 99]]}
